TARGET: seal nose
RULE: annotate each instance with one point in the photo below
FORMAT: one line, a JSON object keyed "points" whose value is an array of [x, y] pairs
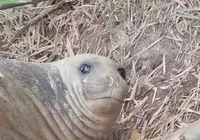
{"points": [[122, 72]]}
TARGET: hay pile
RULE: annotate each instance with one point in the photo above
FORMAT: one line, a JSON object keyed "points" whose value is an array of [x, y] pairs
{"points": [[157, 41]]}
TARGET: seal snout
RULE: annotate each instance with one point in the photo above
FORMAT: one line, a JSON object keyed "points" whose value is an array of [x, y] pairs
{"points": [[117, 82]]}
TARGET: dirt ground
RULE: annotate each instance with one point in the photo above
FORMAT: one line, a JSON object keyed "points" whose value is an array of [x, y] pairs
{"points": [[157, 41]]}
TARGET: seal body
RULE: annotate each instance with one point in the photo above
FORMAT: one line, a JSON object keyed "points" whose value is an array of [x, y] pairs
{"points": [[77, 98]]}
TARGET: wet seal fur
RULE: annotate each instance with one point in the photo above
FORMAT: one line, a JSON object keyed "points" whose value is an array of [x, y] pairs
{"points": [[55, 101]]}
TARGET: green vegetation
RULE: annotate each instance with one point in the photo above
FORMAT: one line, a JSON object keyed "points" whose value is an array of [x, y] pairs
{"points": [[12, 1]]}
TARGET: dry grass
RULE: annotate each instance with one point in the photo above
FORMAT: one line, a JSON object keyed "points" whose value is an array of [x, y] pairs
{"points": [[157, 41]]}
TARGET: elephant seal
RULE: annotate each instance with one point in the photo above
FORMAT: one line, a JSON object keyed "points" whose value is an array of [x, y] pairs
{"points": [[77, 98]]}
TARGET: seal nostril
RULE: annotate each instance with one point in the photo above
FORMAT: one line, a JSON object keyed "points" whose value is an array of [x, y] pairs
{"points": [[111, 81], [122, 72]]}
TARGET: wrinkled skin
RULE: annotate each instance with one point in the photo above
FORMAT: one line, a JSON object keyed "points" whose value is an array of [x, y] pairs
{"points": [[56, 101]]}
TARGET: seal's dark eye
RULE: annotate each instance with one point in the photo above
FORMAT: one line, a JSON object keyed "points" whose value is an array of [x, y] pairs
{"points": [[85, 68]]}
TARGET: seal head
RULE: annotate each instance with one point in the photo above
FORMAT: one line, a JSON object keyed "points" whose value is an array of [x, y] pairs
{"points": [[98, 82]]}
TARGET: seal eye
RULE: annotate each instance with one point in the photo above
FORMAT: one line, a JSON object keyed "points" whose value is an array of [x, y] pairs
{"points": [[85, 69], [122, 72]]}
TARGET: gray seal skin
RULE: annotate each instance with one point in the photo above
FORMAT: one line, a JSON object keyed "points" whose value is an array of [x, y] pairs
{"points": [[77, 98]]}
